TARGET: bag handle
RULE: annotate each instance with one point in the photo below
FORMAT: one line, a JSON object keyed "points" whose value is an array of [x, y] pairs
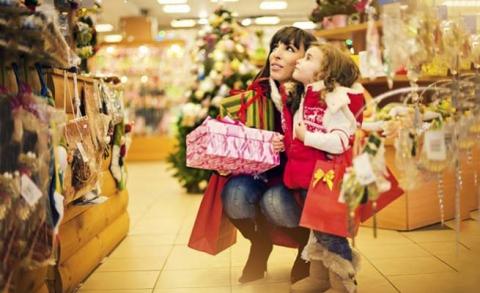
{"points": [[66, 88]]}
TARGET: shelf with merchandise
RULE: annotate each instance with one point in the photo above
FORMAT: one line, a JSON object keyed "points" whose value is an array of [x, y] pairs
{"points": [[344, 33], [41, 57], [155, 77]]}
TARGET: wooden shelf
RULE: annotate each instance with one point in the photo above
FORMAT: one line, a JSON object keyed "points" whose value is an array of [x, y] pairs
{"points": [[150, 148], [343, 33], [418, 207], [151, 43], [401, 79]]}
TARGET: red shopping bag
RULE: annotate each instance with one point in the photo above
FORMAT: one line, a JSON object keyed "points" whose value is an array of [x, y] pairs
{"points": [[322, 211], [212, 231], [366, 210]]}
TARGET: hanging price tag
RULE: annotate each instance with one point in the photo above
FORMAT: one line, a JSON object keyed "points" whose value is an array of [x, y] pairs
{"points": [[81, 149], [363, 169], [29, 190], [434, 145]]}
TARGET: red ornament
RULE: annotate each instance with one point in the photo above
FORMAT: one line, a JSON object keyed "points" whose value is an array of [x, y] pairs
{"points": [[128, 128], [123, 150]]}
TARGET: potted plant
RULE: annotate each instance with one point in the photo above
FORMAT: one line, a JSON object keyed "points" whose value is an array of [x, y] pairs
{"points": [[334, 13]]}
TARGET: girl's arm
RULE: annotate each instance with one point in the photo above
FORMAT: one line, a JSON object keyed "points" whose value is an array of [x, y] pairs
{"points": [[340, 127]]}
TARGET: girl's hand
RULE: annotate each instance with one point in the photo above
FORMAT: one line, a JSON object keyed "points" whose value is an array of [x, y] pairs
{"points": [[278, 145], [300, 130]]}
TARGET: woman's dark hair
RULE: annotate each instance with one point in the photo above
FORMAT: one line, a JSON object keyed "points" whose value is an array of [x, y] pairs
{"points": [[287, 35]]}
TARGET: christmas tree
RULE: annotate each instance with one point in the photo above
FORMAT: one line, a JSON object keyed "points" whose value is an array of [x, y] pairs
{"points": [[221, 64]]}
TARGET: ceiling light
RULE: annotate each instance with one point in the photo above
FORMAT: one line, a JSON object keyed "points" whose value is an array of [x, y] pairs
{"points": [[124, 79], [113, 38], [203, 14], [306, 25], [110, 49], [171, 1], [103, 27], [144, 79], [143, 50], [216, 1], [181, 8], [267, 20], [273, 5], [465, 3], [246, 22], [183, 23], [203, 21]]}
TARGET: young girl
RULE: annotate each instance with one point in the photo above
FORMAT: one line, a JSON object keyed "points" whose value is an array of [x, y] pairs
{"points": [[323, 125]]}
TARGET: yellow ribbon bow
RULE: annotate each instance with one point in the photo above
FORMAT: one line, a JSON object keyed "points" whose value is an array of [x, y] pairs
{"points": [[325, 177]]}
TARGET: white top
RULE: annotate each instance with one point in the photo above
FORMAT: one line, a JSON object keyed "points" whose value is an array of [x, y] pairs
{"points": [[338, 120]]}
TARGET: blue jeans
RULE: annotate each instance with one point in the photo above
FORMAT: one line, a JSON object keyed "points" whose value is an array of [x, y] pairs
{"points": [[335, 244], [244, 196]]}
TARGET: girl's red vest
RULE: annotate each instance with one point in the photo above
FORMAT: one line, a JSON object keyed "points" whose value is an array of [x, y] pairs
{"points": [[301, 159]]}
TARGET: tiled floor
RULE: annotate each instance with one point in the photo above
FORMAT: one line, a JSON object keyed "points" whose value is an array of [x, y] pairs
{"points": [[155, 258]]}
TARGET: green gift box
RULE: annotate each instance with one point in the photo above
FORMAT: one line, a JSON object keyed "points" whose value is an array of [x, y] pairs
{"points": [[254, 110]]}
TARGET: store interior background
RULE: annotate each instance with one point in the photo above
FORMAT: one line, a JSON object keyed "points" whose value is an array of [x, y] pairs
{"points": [[162, 215], [412, 253]]}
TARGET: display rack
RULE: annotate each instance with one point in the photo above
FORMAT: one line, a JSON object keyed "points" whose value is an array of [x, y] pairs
{"points": [[417, 207], [87, 233], [354, 32], [150, 104]]}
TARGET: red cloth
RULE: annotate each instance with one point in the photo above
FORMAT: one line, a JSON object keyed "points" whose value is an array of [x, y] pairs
{"points": [[301, 159]]}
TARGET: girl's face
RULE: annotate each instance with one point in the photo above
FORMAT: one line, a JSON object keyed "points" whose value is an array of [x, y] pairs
{"points": [[283, 59], [308, 68]]}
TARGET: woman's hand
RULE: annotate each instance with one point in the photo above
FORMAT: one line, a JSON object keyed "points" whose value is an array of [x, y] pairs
{"points": [[300, 130], [224, 173], [278, 145]]}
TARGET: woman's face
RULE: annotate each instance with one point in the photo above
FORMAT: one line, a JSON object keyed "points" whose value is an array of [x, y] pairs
{"points": [[283, 59]]}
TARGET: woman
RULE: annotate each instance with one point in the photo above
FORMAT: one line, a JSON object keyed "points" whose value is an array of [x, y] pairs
{"points": [[254, 204]]}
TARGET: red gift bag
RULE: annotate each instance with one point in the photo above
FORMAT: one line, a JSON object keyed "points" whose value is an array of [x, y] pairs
{"points": [[212, 231], [322, 211], [366, 210]]}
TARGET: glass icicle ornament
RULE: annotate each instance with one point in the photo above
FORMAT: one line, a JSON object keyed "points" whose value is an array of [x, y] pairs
{"points": [[441, 197], [374, 57]]}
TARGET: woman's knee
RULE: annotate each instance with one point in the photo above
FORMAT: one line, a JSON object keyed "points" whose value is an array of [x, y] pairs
{"points": [[280, 207], [241, 195]]}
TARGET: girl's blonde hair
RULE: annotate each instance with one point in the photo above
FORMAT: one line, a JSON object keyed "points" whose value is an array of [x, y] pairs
{"points": [[336, 67]]}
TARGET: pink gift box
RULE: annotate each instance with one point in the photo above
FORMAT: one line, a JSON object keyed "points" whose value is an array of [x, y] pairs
{"points": [[229, 146]]}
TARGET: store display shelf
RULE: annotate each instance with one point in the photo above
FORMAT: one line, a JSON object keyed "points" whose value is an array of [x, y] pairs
{"points": [[344, 33], [150, 147], [401, 79], [419, 207], [152, 43]]}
